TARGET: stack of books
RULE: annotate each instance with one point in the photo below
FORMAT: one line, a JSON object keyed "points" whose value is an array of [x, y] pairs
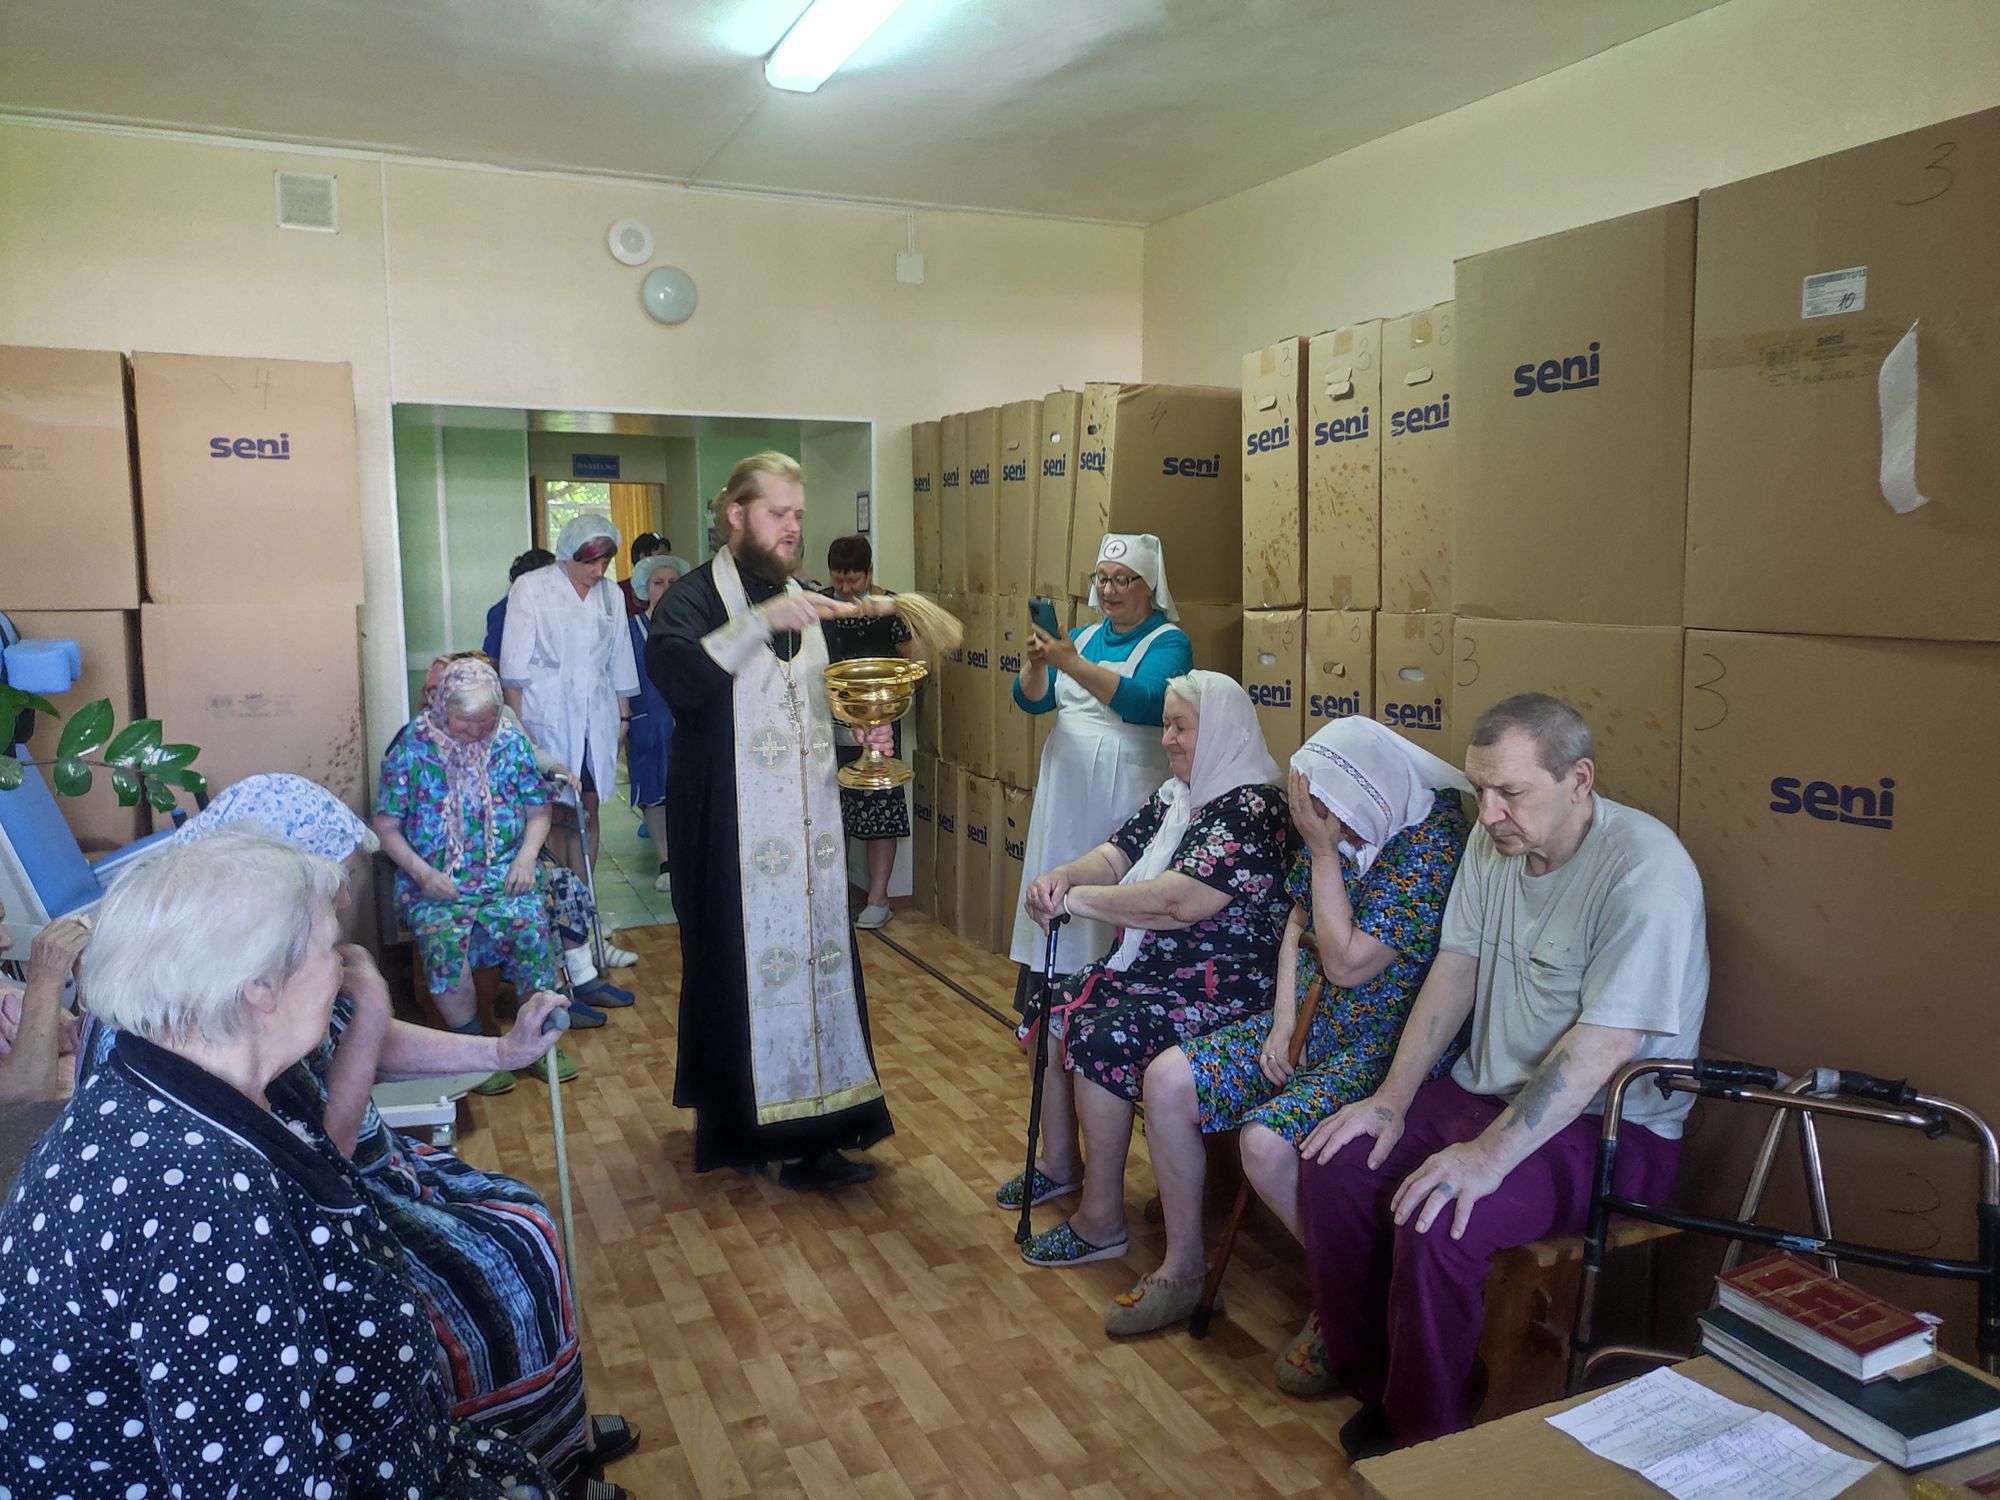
{"points": [[1863, 1366]]}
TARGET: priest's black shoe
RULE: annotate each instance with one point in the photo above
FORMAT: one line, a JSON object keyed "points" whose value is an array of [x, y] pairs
{"points": [[1366, 1434], [824, 1173]]}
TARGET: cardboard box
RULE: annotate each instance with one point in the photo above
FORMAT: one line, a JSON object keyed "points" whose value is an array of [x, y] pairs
{"points": [[951, 503], [1837, 847], [109, 642], [974, 706], [1274, 477], [1413, 678], [1274, 667], [927, 520], [1624, 679], [1014, 760], [1573, 423], [1055, 500], [979, 814], [1017, 512], [1419, 460], [1808, 279], [259, 688], [950, 678], [1163, 459], [982, 493], [71, 533], [945, 855], [247, 466], [923, 834], [1344, 469], [1010, 855], [1339, 680], [1215, 633]]}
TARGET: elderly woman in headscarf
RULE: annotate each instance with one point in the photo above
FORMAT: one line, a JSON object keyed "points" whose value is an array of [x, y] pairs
{"points": [[652, 730], [482, 1248], [462, 812], [1106, 683], [1194, 884], [566, 663], [1382, 830], [201, 1295]]}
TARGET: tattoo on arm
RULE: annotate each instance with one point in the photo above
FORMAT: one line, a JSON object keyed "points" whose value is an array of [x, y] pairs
{"points": [[1383, 1112], [1540, 1091]]}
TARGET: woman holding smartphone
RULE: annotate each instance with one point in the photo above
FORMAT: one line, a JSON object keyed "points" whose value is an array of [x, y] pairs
{"points": [[1106, 682]]}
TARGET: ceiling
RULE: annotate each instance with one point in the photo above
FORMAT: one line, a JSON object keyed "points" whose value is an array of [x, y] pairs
{"points": [[1126, 111]]}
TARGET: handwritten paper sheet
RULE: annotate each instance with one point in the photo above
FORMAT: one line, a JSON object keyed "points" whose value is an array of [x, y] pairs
{"points": [[1696, 1445]]}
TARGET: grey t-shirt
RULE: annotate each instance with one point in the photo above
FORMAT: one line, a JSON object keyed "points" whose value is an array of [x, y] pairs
{"points": [[1615, 937]]}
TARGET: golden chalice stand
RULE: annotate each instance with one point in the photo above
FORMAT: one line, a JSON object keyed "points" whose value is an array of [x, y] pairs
{"points": [[867, 691]]}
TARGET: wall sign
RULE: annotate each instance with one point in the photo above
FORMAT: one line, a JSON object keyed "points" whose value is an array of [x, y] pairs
{"points": [[861, 510], [593, 466]]}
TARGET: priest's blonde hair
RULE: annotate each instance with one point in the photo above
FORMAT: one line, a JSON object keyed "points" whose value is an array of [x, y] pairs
{"points": [[747, 481]]}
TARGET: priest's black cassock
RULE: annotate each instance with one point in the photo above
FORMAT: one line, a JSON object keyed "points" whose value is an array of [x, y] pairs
{"points": [[741, 1118]]}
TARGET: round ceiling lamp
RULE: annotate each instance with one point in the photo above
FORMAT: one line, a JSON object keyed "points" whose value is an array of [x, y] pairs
{"points": [[631, 242], [668, 294]]}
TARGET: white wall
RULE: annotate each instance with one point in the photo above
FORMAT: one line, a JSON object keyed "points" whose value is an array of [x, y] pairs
{"points": [[1744, 88], [463, 285]]}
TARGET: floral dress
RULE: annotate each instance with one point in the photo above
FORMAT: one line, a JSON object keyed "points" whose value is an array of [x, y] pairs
{"points": [[1185, 983], [483, 926], [1400, 902]]}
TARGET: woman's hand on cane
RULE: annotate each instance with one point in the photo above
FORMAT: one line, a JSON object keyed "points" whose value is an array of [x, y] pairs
{"points": [[526, 1043], [1045, 897]]}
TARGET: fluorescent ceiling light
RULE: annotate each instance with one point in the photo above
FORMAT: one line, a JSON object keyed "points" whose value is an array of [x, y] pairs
{"points": [[822, 40]]}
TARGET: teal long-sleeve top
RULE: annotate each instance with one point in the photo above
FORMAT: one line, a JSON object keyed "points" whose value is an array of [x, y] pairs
{"points": [[1142, 697]]}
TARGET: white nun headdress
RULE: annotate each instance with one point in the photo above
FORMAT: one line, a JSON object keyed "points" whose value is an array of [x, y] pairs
{"points": [[1141, 552]]}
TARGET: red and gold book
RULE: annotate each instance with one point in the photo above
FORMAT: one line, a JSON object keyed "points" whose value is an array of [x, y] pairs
{"points": [[1830, 1319]]}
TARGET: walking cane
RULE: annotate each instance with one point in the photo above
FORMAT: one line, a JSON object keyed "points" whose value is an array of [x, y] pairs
{"points": [[1026, 1227], [590, 880], [558, 1021]]}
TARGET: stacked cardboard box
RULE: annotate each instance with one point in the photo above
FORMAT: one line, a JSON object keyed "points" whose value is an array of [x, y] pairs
{"points": [[1017, 487], [982, 491], [1274, 668], [926, 520], [1339, 676], [951, 504], [1055, 500], [1343, 509], [108, 640], [923, 834], [1419, 460], [1274, 477]]}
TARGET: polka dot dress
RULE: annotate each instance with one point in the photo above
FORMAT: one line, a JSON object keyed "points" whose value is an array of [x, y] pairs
{"points": [[196, 1301]]}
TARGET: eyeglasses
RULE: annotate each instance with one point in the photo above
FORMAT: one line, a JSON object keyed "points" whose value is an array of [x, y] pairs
{"points": [[1119, 581]]}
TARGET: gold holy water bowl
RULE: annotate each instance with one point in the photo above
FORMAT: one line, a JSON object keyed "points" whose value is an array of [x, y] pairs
{"points": [[867, 691]]}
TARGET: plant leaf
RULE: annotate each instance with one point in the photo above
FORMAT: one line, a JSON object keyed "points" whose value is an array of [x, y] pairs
{"points": [[125, 782], [88, 728], [133, 743], [165, 757], [185, 777], [72, 777], [11, 773], [160, 794]]}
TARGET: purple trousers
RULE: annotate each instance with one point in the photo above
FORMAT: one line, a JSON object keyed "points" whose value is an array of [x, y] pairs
{"points": [[1402, 1312]]}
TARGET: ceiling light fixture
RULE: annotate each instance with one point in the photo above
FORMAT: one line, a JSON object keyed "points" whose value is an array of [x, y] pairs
{"points": [[822, 40]]}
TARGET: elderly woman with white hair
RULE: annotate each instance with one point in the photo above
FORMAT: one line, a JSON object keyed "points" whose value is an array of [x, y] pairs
{"points": [[1194, 883], [566, 663], [201, 1296], [1382, 831]]}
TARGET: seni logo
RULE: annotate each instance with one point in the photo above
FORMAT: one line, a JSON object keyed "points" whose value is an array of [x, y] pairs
{"points": [[1425, 717], [1014, 473], [1332, 705], [1432, 416], [976, 832], [951, 479], [1341, 429], [922, 808], [1010, 661], [1054, 468], [1270, 440], [1192, 468], [923, 484], [980, 660], [947, 823], [979, 474], [1270, 694], [1093, 461], [279, 447], [1017, 849], [1863, 806], [1573, 372]]}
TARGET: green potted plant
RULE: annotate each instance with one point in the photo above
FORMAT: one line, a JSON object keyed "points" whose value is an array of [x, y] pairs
{"points": [[140, 763]]}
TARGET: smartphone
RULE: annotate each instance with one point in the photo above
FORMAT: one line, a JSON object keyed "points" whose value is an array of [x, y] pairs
{"points": [[1042, 615]]}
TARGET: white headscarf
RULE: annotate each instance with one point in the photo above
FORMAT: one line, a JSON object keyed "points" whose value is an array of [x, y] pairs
{"points": [[1228, 753], [581, 529], [1375, 781], [1141, 552]]}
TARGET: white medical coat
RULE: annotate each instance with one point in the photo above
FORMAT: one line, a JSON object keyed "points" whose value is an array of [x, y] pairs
{"points": [[572, 660]]}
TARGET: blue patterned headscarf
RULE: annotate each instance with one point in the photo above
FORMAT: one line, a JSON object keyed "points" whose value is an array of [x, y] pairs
{"points": [[300, 812]]}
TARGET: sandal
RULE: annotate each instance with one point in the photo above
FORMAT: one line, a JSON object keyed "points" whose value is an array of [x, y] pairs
{"points": [[611, 1438], [1063, 1246], [1154, 1302], [1301, 1370], [1047, 1189]]}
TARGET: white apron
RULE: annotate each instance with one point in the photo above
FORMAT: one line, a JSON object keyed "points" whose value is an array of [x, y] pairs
{"points": [[1097, 771], [807, 1054]]}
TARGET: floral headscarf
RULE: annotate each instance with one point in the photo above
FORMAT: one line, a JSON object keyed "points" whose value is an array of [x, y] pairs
{"points": [[466, 765]]}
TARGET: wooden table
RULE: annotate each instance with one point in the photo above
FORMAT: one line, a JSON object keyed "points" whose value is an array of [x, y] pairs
{"points": [[1523, 1458]]}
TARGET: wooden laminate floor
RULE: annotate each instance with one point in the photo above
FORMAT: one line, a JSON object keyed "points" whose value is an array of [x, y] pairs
{"points": [[889, 1341]]}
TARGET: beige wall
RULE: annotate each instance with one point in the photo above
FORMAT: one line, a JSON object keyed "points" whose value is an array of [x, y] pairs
{"points": [[1745, 88], [463, 285]]}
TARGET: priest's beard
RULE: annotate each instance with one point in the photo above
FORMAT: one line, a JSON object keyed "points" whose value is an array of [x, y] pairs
{"points": [[761, 562]]}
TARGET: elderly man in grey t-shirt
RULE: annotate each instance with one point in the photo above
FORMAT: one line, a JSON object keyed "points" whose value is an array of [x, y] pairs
{"points": [[1573, 941]]}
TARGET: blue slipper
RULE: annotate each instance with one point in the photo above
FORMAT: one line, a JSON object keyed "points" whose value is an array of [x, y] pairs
{"points": [[1008, 1194], [603, 994], [584, 1017], [1063, 1246]]}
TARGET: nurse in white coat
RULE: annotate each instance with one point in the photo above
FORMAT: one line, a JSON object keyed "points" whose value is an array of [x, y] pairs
{"points": [[566, 664], [1106, 682]]}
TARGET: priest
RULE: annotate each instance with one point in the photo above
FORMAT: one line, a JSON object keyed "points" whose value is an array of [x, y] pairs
{"points": [[775, 1058]]}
